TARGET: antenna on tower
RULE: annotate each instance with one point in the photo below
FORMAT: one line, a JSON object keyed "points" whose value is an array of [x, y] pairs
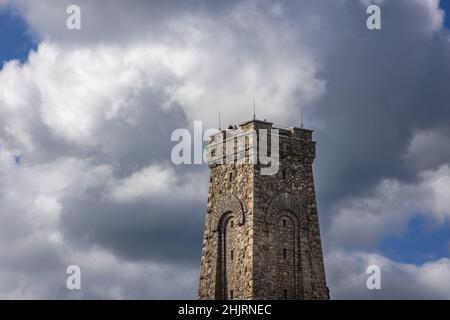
{"points": [[301, 118], [254, 108], [219, 122]]}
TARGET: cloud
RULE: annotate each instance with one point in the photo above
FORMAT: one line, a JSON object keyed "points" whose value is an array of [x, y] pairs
{"points": [[428, 149], [346, 273], [36, 204], [362, 221], [180, 51], [75, 96], [156, 181], [40, 274], [151, 181]]}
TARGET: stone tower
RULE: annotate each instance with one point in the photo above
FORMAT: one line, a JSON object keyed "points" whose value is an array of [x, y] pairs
{"points": [[261, 236]]}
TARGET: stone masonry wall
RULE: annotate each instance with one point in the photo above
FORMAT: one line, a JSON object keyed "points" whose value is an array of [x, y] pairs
{"points": [[261, 237]]}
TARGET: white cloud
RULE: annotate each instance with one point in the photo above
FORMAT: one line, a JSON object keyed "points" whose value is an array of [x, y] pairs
{"points": [[427, 149], [72, 92], [364, 220], [76, 91], [436, 188], [346, 275], [151, 181], [435, 13], [157, 181], [35, 250], [31, 196]]}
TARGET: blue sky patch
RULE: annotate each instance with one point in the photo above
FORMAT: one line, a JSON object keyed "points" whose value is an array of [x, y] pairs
{"points": [[18, 160], [445, 4], [420, 242], [16, 40]]}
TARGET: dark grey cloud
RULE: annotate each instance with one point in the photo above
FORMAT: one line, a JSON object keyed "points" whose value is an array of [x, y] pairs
{"points": [[381, 87], [166, 231]]}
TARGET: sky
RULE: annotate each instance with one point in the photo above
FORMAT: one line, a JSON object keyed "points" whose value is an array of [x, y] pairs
{"points": [[86, 118], [17, 41]]}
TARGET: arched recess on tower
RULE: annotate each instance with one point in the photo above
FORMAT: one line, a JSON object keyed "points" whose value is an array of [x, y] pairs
{"points": [[287, 202], [286, 222], [227, 219], [228, 203]]}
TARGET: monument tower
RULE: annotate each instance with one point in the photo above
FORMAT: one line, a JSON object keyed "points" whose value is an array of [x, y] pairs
{"points": [[261, 236]]}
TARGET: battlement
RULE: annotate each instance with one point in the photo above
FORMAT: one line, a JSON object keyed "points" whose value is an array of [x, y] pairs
{"points": [[291, 132], [242, 143]]}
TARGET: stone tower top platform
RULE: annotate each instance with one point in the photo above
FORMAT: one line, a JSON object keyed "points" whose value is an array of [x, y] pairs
{"points": [[243, 141], [255, 124]]}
